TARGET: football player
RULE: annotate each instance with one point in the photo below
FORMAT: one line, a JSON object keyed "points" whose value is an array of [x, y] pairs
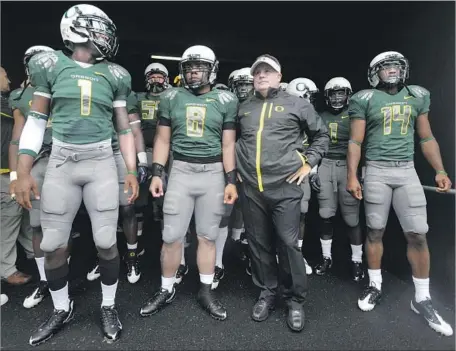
{"points": [[86, 90], [384, 119], [305, 89], [230, 80], [200, 123], [20, 101], [331, 180], [15, 224]]}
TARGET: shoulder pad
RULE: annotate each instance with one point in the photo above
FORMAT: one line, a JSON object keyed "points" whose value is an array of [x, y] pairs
{"points": [[117, 71], [46, 60], [365, 94], [225, 96], [16, 92], [170, 93], [418, 91]]}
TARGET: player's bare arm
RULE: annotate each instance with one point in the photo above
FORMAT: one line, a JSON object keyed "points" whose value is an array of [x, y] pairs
{"points": [[357, 131], [431, 151], [19, 123]]}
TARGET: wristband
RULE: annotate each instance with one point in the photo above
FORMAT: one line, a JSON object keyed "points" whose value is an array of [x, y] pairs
{"points": [[425, 140], [13, 176], [142, 157], [133, 172], [442, 172], [351, 141], [230, 177], [157, 170]]}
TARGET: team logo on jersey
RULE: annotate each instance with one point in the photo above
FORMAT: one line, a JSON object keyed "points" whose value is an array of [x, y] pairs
{"points": [[225, 97], [365, 95], [47, 60], [117, 71]]}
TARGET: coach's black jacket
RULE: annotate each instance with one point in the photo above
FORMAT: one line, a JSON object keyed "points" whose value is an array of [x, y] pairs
{"points": [[269, 148]]}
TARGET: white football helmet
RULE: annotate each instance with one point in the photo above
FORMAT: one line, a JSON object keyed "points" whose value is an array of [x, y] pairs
{"points": [[337, 92], [242, 83], [230, 79], [205, 61], [384, 60], [303, 88], [283, 86], [153, 86], [31, 51], [82, 23]]}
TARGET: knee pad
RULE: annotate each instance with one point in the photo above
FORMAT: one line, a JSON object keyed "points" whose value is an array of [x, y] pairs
{"points": [[171, 234], [351, 219], [105, 236], [326, 212], [54, 239]]}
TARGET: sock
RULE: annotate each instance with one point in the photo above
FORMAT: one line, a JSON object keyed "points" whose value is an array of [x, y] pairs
{"points": [[206, 278], [219, 246], [139, 233], [168, 283], [40, 265], [109, 294], [236, 234], [326, 247], [375, 278], [421, 289], [183, 253], [300, 243], [357, 253], [60, 298], [132, 246]]}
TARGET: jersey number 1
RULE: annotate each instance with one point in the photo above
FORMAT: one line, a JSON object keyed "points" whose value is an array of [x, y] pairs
{"points": [[86, 96], [195, 121], [333, 132]]}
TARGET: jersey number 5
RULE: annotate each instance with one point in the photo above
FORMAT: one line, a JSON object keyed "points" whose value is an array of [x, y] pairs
{"points": [[148, 109], [86, 96], [393, 113], [195, 121]]}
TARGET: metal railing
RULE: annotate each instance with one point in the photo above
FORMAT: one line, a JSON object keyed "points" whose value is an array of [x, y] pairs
{"points": [[434, 189]]}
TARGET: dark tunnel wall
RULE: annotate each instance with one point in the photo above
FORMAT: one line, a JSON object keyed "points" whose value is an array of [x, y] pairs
{"points": [[315, 40]]}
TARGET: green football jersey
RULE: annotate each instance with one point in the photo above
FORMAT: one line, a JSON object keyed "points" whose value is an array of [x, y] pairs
{"points": [[339, 133], [82, 95], [23, 104], [390, 121], [197, 121], [148, 105]]}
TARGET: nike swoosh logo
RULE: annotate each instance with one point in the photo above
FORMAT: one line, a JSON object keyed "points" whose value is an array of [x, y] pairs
{"points": [[343, 117], [407, 97], [210, 100], [246, 113]]}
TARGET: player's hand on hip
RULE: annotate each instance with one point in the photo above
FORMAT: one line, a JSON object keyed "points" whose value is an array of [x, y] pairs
{"points": [[156, 187]]}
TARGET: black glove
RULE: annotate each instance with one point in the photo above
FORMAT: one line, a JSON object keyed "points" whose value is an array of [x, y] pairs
{"points": [[315, 184], [143, 173]]}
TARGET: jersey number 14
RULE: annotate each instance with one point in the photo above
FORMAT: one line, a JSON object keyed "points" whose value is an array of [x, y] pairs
{"points": [[394, 113]]}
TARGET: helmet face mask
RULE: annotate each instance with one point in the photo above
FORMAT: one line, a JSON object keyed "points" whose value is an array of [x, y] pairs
{"points": [[198, 67], [242, 83], [337, 98], [156, 78], [87, 24], [388, 69]]}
